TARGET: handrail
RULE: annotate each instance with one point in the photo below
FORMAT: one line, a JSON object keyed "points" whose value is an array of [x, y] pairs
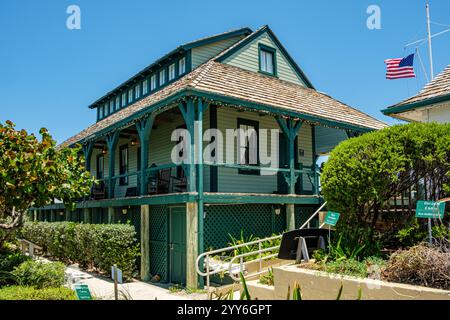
{"points": [[206, 256], [312, 216]]}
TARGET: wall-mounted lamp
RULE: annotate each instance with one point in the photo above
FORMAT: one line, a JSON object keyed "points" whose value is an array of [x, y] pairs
{"points": [[124, 211], [134, 142], [277, 209], [104, 151]]}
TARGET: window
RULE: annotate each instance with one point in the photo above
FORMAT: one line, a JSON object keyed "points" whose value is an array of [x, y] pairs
{"points": [[123, 164], [124, 99], [130, 96], [117, 102], [100, 164], [100, 112], [182, 66], [145, 87], [162, 77], [105, 109], [111, 106], [153, 82], [172, 72], [137, 92], [248, 145], [267, 60]]}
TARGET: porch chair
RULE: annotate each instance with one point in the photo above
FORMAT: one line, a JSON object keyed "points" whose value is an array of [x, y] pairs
{"points": [[98, 191], [179, 182]]}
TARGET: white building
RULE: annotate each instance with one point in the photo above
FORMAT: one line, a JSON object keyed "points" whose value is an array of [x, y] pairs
{"points": [[432, 103]]}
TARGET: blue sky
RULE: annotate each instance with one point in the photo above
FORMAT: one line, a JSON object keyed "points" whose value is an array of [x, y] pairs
{"points": [[49, 74]]}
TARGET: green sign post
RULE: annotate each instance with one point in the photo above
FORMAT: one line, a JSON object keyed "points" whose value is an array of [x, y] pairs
{"points": [[331, 218], [82, 292]]}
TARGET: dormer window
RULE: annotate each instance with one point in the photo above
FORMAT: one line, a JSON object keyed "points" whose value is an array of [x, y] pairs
{"points": [[267, 60], [111, 106], [182, 66], [124, 99], [130, 95], [162, 77], [117, 103], [100, 112], [137, 92], [105, 109], [145, 87], [153, 82], [172, 72]]}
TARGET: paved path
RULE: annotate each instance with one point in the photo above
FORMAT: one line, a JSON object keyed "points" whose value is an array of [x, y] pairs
{"points": [[103, 288]]}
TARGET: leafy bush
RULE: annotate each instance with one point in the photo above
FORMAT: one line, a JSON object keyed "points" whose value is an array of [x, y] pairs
{"points": [[39, 274], [91, 245], [30, 293], [362, 174], [420, 265], [9, 259]]}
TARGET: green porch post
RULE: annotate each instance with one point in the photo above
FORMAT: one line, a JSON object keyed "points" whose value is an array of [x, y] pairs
{"points": [[145, 242], [144, 129], [201, 106], [87, 215], [290, 128], [111, 141], [111, 214], [87, 152], [188, 112]]}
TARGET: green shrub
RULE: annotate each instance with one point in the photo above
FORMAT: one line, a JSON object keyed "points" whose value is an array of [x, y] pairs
{"points": [[39, 274], [90, 245], [362, 174], [30, 293], [9, 259]]}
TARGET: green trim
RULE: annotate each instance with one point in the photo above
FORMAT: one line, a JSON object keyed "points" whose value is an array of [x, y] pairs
{"points": [[272, 36], [277, 110], [415, 105], [220, 37], [254, 124], [268, 199], [273, 51]]}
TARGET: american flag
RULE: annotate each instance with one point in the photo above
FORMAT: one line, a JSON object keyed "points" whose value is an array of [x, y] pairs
{"points": [[400, 67]]}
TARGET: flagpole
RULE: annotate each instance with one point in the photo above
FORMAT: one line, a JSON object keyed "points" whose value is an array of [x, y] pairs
{"points": [[430, 52]]}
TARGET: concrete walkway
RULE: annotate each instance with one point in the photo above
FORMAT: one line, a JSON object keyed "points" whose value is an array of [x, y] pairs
{"points": [[103, 288]]}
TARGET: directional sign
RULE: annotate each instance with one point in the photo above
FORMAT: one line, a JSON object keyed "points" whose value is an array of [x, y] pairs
{"points": [[82, 291], [430, 209], [331, 218]]}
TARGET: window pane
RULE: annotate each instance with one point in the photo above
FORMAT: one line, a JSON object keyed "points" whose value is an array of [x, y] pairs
{"points": [[145, 87], [172, 71], [153, 82], [105, 109], [263, 61], [117, 103], [111, 106], [269, 62], [130, 95], [137, 92], [162, 77], [124, 99], [182, 66], [100, 112]]}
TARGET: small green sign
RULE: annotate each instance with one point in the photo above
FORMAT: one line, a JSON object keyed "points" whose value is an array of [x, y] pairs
{"points": [[82, 291], [332, 218], [430, 209]]}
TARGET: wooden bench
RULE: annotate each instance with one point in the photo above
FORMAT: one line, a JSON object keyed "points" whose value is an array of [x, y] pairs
{"points": [[28, 246]]}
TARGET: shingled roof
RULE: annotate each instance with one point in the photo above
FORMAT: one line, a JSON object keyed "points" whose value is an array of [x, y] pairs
{"points": [[435, 91], [228, 81]]}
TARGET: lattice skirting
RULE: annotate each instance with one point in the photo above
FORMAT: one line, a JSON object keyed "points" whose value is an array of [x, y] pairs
{"points": [[302, 213]]}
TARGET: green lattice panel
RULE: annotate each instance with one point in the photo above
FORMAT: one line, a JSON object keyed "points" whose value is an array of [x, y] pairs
{"points": [[253, 219], [159, 219], [302, 213]]}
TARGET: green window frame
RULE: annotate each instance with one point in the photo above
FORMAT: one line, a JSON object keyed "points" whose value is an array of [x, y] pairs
{"points": [[124, 99], [100, 166], [182, 66], [130, 95], [153, 82], [264, 52], [172, 74], [145, 88], [241, 122], [117, 102]]}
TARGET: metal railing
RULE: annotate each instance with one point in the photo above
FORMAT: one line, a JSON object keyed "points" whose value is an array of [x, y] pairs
{"points": [[234, 269]]}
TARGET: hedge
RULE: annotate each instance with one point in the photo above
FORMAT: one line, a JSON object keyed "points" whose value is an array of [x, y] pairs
{"points": [[96, 246], [40, 274], [30, 293]]}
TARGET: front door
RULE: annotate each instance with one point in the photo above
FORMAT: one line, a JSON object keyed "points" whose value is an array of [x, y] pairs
{"points": [[177, 245]]}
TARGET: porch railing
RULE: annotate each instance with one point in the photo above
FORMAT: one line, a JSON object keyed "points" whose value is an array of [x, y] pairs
{"points": [[211, 266]]}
